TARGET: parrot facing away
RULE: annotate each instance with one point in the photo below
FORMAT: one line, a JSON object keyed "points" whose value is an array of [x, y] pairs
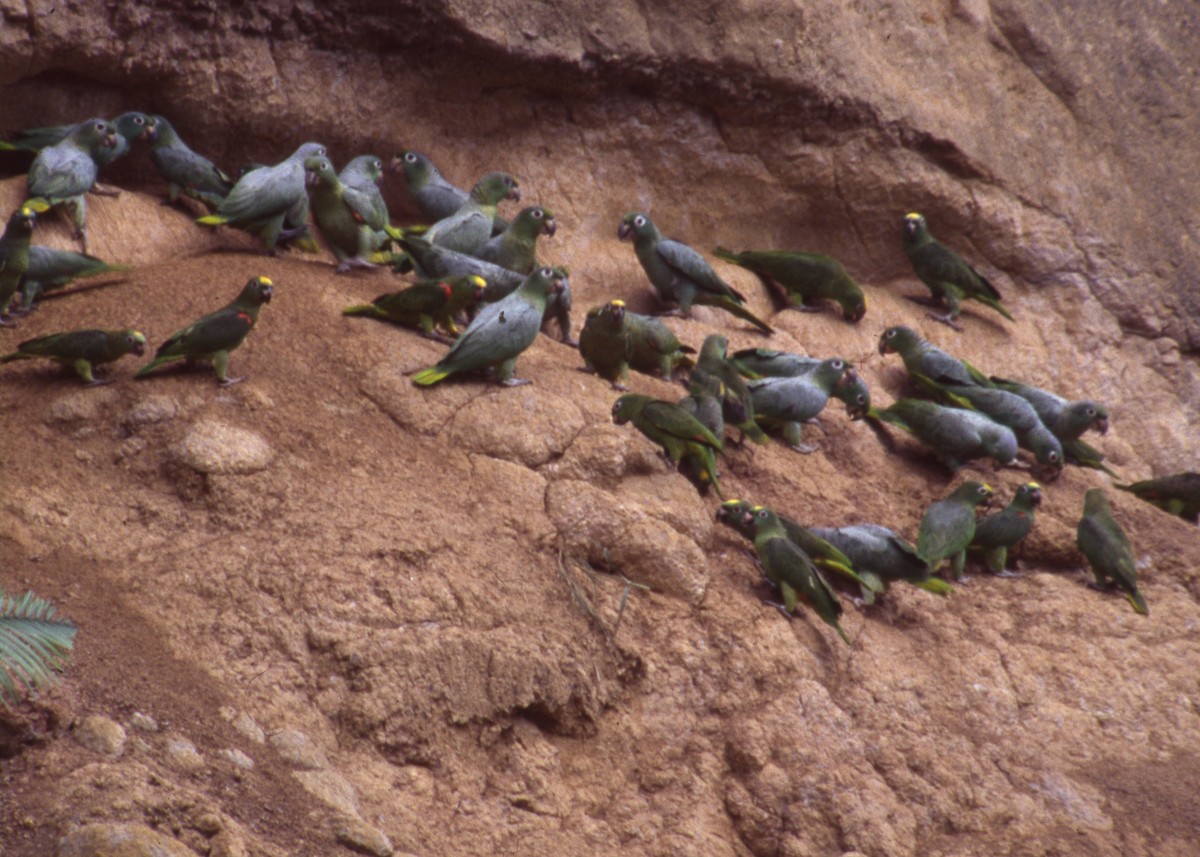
{"points": [[81, 350], [469, 228], [433, 262], [757, 363], [213, 336], [14, 254], [1107, 549], [1178, 494], [949, 526], [426, 305], [804, 278], [435, 197], [997, 534], [790, 402], [715, 375], [186, 171], [679, 274], [1067, 420], [953, 435], [675, 430], [500, 332], [267, 199], [792, 570], [63, 174], [879, 554], [949, 278], [923, 359], [51, 269]]}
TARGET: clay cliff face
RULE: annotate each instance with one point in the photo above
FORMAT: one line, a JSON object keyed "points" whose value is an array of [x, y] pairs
{"points": [[327, 607]]}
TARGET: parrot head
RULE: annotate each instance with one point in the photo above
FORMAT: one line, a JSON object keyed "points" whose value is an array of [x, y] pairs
{"points": [[914, 227], [635, 225], [1048, 452], [133, 125], [257, 291], [894, 339], [1031, 493], [975, 493], [494, 187], [135, 341], [755, 518], [308, 150], [417, 168], [732, 513], [714, 347], [369, 166], [1095, 502], [318, 170], [96, 132], [614, 311], [536, 220], [856, 396], [22, 219], [1096, 415], [853, 308], [627, 407]]}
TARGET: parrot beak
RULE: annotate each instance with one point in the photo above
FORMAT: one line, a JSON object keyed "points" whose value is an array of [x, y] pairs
{"points": [[550, 227], [311, 179], [151, 131], [883, 346], [514, 194], [110, 141], [848, 377], [559, 286], [1035, 497], [624, 231], [396, 164], [1102, 425], [859, 311], [139, 348], [266, 294]]}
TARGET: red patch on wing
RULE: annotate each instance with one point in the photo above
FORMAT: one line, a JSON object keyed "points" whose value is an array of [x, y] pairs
{"points": [[246, 317], [445, 287], [358, 217]]}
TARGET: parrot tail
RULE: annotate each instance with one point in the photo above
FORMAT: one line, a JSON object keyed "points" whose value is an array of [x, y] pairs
{"points": [[841, 633], [726, 254], [936, 585], [873, 582], [363, 309], [1139, 604], [8, 358], [148, 368], [735, 308], [212, 220], [994, 304], [429, 377], [752, 430]]}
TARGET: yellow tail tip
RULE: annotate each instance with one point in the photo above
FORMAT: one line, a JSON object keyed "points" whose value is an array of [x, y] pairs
{"points": [[429, 377], [212, 220]]}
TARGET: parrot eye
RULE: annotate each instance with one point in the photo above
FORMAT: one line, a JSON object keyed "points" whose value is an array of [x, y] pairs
{"points": [[138, 120], [410, 158], [538, 214], [1054, 457], [639, 221], [1091, 412], [862, 400], [838, 364], [762, 514], [100, 126], [983, 492], [547, 272], [890, 333], [377, 165]]}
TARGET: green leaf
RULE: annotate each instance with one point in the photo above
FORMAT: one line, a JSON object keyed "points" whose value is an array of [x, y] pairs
{"points": [[33, 645]]}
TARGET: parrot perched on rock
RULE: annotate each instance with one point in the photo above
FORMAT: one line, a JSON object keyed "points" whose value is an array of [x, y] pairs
{"points": [[432, 262], [516, 247], [435, 197], [997, 534], [14, 252], [363, 177], [792, 570], [949, 278], [733, 513], [954, 435], [213, 336], [756, 363], [1107, 549], [1068, 420], [469, 228], [923, 359], [654, 348], [715, 375], [266, 200], [879, 554], [186, 171], [63, 174], [426, 305], [81, 350], [675, 430], [788, 403], [679, 274], [51, 269], [949, 526], [500, 333], [1178, 494], [804, 278], [129, 127], [613, 339], [350, 219]]}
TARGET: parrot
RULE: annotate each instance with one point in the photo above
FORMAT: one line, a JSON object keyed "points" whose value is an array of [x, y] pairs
{"points": [[1178, 494], [604, 343], [954, 435], [81, 350], [654, 348], [757, 363], [679, 274], [213, 336], [1083, 454], [185, 171], [1107, 549], [266, 200], [51, 269], [824, 555], [469, 228], [129, 127], [949, 278], [348, 218], [717, 376], [923, 359], [879, 554], [675, 430], [516, 247], [14, 253], [792, 570], [997, 534], [949, 526], [362, 178], [500, 332], [63, 174], [804, 278], [425, 305], [1068, 420], [433, 262], [790, 402], [434, 196]]}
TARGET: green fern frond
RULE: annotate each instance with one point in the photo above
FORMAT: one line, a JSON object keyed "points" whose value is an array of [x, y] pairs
{"points": [[33, 644]]}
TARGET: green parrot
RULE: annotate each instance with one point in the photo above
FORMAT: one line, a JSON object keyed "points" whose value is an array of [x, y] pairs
{"points": [[949, 278], [516, 247], [129, 127], [804, 279], [653, 347], [949, 526], [435, 197], [432, 262], [500, 332], [14, 254], [604, 343], [716, 375], [879, 554], [953, 435], [1178, 494], [81, 350], [675, 430], [185, 171], [349, 219], [792, 570], [923, 359], [469, 228], [788, 403], [997, 534], [679, 274], [51, 269], [1107, 549], [363, 177], [213, 336], [1083, 454], [733, 513], [266, 200], [63, 174], [1068, 420], [757, 363], [425, 305]]}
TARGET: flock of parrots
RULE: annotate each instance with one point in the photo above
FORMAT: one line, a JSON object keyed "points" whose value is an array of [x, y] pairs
{"points": [[473, 264]]}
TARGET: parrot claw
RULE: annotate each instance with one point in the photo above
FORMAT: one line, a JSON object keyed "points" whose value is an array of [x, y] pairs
{"points": [[515, 382], [1007, 573], [946, 320], [229, 382], [620, 387], [8, 322], [802, 448], [782, 608], [105, 190], [807, 308], [99, 382]]}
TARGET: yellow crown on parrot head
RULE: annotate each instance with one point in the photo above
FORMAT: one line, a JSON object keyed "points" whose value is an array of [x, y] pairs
{"points": [[617, 302], [477, 281], [1034, 485], [912, 215], [266, 281]]}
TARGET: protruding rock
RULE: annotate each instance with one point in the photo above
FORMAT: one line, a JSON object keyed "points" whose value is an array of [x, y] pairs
{"points": [[120, 840], [214, 447], [101, 735], [359, 836]]}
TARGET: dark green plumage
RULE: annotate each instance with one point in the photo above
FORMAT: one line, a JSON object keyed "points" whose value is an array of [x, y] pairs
{"points": [[997, 534], [434, 196], [186, 171], [1066, 419], [213, 336], [432, 262], [679, 274], [949, 278], [604, 343], [1178, 494], [923, 359], [426, 305], [879, 554], [81, 350], [756, 363], [129, 127], [51, 269], [715, 375], [14, 254], [804, 278], [516, 247], [675, 430], [953, 435], [1107, 549], [788, 403], [949, 525], [344, 216]]}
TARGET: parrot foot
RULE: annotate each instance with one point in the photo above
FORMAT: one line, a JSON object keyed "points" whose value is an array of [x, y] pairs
{"points": [[1100, 587], [515, 382], [22, 311], [347, 265], [229, 382], [947, 320], [802, 448], [620, 387], [567, 340], [438, 337], [7, 322], [816, 421], [1006, 573], [105, 190], [808, 308], [99, 382], [782, 608]]}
